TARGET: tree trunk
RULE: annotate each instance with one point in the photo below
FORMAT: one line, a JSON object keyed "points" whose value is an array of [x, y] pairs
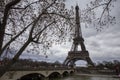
{"points": [[4, 21], [1, 36]]}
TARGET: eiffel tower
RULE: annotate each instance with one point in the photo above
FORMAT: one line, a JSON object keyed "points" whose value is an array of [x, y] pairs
{"points": [[75, 54]]}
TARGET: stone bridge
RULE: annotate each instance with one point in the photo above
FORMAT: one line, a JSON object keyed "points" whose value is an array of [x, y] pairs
{"points": [[46, 74]]}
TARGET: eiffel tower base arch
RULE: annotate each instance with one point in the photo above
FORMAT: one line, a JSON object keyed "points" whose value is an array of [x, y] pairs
{"points": [[74, 56]]}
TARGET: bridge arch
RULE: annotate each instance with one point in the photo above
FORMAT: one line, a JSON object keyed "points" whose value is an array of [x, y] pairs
{"points": [[71, 72], [32, 76], [65, 74], [54, 75]]}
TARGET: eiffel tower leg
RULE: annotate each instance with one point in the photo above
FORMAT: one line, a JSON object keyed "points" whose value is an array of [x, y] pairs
{"points": [[71, 63], [83, 46], [89, 61], [66, 62]]}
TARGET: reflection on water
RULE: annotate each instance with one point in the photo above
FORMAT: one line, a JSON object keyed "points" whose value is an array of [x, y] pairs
{"points": [[89, 78]]}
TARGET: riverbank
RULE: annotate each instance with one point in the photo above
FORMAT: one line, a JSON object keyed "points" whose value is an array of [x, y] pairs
{"points": [[96, 72], [78, 76], [84, 70], [98, 75]]}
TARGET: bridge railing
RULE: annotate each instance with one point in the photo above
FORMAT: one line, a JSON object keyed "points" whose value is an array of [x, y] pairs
{"points": [[39, 68]]}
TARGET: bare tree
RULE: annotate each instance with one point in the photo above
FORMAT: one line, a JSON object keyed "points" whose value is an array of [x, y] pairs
{"points": [[37, 23]]}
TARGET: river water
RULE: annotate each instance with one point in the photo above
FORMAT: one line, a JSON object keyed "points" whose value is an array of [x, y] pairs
{"points": [[84, 77]]}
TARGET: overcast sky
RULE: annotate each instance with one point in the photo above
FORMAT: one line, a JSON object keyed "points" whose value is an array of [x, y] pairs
{"points": [[104, 45]]}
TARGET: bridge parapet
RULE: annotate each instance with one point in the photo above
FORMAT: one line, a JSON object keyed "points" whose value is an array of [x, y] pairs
{"points": [[39, 68]]}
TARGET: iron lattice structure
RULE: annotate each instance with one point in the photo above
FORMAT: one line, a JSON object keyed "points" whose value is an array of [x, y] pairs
{"points": [[75, 54]]}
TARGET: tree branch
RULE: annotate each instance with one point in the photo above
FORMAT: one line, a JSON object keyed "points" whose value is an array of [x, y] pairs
{"points": [[104, 10], [39, 33], [60, 15], [44, 12], [99, 6], [25, 6], [14, 39], [7, 8]]}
